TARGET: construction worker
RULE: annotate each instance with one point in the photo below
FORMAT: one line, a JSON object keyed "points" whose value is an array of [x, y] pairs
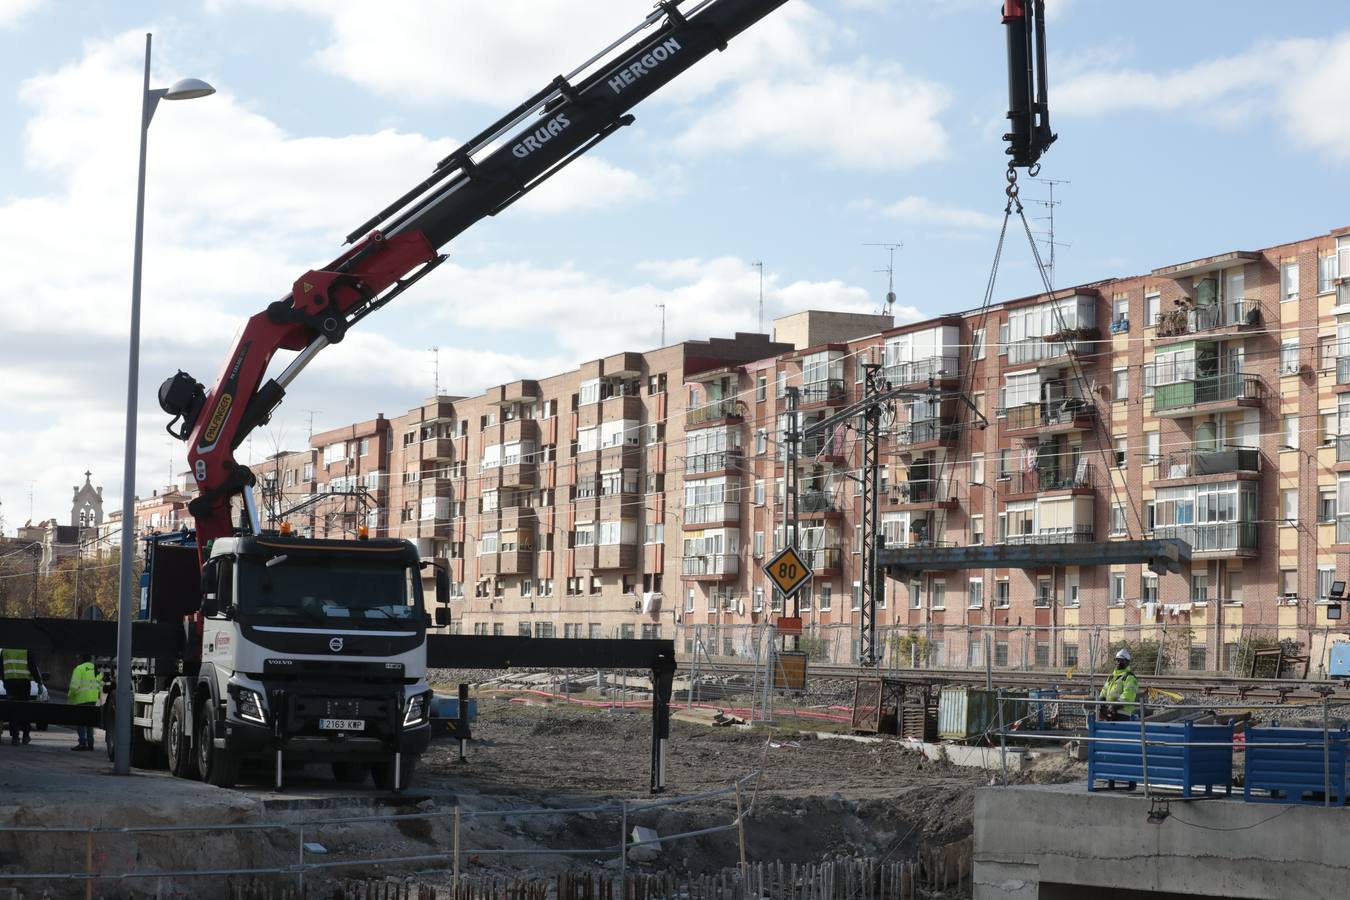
{"points": [[1121, 689], [21, 673], [84, 691]]}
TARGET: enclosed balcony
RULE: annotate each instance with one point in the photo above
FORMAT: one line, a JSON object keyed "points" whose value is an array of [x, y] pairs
{"points": [[438, 448], [927, 432], [1343, 448], [1343, 529], [1076, 479], [1042, 350], [1188, 464], [726, 462], [936, 369], [1051, 417], [1215, 539], [716, 567], [823, 561], [606, 556], [1225, 392], [511, 562], [815, 504], [707, 514], [1215, 319], [923, 492], [825, 392]]}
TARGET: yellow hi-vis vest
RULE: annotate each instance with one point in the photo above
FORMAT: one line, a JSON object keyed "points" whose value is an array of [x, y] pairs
{"points": [[84, 685], [1122, 686], [16, 665]]}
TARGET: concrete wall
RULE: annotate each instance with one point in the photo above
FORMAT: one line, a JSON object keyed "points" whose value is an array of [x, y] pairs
{"points": [[1098, 843], [815, 327]]}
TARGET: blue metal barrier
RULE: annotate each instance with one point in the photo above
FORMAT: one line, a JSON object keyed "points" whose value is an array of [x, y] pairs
{"points": [[1295, 773], [1173, 766]]}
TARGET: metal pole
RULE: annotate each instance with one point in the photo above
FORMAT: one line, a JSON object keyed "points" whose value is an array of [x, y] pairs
{"points": [[790, 489], [1326, 756], [1002, 739], [988, 665], [623, 850], [1143, 738], [122, 707]]}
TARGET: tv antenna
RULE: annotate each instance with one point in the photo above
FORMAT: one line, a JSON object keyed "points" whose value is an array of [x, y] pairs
{"points": [[312, 413], [435, 371], [1049, 234], [759, 264], [890, 273], [662, 307]]}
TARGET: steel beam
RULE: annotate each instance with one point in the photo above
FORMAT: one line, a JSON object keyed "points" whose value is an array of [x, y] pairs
{"points": [[1164, 555], [476, 651]]}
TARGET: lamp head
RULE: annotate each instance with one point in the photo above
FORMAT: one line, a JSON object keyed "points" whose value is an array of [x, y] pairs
{"points": [[188, 89]]}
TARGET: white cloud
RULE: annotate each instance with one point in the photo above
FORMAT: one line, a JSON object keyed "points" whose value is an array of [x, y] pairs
{"points": [[1300, 83], [11, 11], [922, 211], [792, 82]]}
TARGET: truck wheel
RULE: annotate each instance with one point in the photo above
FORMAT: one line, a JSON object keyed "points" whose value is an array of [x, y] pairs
{"points": [[218, 767], [383, 773], [182, 762], [349, 772]]}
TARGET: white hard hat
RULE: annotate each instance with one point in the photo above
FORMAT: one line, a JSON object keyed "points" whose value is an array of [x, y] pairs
{"points": [[1124, 654]]}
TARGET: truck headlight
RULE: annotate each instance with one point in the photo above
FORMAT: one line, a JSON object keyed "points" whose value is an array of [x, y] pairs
{"points": [[249, 706], [416, 713]]}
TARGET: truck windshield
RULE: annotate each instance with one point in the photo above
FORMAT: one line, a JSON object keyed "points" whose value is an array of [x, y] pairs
{"points": [[328, 591]]}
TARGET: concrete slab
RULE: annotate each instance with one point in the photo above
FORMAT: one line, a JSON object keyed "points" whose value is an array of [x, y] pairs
{"points": [[1062, 841]]}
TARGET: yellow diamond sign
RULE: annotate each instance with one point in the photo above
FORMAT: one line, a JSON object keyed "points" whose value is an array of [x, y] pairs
{"points": [[788, 571]]}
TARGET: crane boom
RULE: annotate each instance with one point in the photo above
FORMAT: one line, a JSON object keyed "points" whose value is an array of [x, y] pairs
{"points": [[399, 245]]}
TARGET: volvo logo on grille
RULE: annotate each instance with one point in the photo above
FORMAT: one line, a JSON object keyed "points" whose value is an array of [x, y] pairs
{"points": [[335, 645]]}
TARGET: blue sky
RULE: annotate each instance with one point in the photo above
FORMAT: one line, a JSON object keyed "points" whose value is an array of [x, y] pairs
{"points": [[1186, 129]]}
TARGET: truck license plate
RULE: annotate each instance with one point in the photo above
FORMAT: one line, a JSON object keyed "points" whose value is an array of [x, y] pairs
{"points": [[342, 724]]}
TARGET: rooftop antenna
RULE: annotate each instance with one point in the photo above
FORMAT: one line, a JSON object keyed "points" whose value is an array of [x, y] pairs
{"points": [[759, 264], [662, 307], [1050, 233], [311, 421], [436, 370], [890, 273]]}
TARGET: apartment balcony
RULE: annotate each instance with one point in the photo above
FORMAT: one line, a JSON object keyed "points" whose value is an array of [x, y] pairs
{"points": [[520, 430], [509, 562], [1343, 372], [1043, 351], [622, 406], [598, 557], [937, 369], [1078, 534], [718, 412], [1343, 529], [1343, 449], [824, 561], [817, 505], [511, 518], [1039, 482], [704, 465], [927, 433], [627, 455], [826, 392], [1053, 417], [821, 449], [708, 515], [1227, 392], [438, 448], [923, 493], [1192, 465], [617, 504], [431, 487], [1215, 321], [718, 567], [516, 474], [1214, 540]]}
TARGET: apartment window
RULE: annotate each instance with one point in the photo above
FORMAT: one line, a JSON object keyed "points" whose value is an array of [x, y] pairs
{"points": [[1289, 507], [1042, 654], [1152, 302], [1289, 357], [1327, 349], [656, 384], [1153, 446], [759, 491], [938, 594], [1326, 505], [1328, 424], [1120, 384], [334, 452], [975, 593], [1003, 338], [1045, 592], [1001, 653], [757, 600], [1122, 453], [1120, 310], [1148, 588], [1002, 593], [977, 344], [1117, 518], [1199, 587], [1117, 588], [826, 596], [761, 388], [1325, 576], [1196, 662], [761, 442], [1004, 463], [977, 468], [1327, 271], [1290, 433], [654, 533], [1289, 282], [1070, 655], [759, 544], [1147, 377], [915, 601], [976, 531], [1071, 595]]}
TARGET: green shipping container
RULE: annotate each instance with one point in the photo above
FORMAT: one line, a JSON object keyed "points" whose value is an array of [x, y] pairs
{"points": [[969, 712]]}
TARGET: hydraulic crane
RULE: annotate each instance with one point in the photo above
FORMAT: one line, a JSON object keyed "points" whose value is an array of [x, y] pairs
{"points": [[398, 246]]}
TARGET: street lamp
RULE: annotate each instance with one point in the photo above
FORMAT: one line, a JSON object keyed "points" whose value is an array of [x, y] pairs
{"points": [[184, 89]]}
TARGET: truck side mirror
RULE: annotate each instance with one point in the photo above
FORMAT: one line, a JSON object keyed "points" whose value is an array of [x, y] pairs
{"points": [[210, 602], [442, 616], [442, 587]]}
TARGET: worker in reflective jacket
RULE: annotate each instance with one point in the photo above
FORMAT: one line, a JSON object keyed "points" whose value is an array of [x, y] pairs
{"points": [[21, 674], [84, 690], [1121, 690]]}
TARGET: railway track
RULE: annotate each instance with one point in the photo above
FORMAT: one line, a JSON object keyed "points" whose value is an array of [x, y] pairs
{"points": [[1193, 686]]}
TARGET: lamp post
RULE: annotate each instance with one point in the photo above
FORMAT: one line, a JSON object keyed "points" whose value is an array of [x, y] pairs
{"points": [[184, 89]]}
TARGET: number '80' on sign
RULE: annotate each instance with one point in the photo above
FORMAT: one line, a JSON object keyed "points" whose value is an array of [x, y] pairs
{"points": [[788, 571]]}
